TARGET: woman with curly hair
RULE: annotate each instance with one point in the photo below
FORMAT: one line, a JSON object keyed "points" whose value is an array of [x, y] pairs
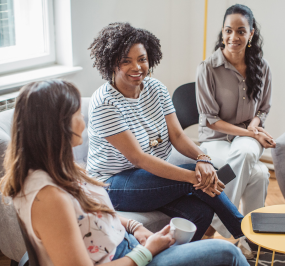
{"points": [[132, 127], [67, 215], [234, 98]]}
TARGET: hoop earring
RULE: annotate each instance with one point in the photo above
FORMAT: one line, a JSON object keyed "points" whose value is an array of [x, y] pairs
{"points": [[223, 41], [249, 43], [113, 78]]}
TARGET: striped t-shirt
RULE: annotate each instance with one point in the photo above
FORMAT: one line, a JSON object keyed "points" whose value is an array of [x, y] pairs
{"points": [[111, 113]]}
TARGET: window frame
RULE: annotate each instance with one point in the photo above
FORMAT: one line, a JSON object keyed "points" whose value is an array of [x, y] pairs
{"points": [[40, 60]]}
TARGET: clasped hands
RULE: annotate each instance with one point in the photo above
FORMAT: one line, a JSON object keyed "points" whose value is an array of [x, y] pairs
{"points": [[208, 180], [261, 135]]}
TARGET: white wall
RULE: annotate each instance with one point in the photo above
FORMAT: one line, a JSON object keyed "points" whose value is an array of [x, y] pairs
{"points": [[89, 17], [179, 25]]}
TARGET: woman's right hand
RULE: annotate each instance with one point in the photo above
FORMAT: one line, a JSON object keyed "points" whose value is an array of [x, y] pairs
{"points": [[265, 140], [214, 190], [256, 130], [160, 241]]}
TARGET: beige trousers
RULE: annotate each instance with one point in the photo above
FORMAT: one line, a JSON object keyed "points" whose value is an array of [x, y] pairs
{"points": [[252, 176]]}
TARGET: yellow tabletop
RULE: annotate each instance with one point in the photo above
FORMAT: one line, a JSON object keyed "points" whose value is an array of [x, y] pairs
{"points": [[270, 241]]}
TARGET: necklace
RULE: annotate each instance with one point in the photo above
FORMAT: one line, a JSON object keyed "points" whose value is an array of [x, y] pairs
{"points": [[153, 143]]}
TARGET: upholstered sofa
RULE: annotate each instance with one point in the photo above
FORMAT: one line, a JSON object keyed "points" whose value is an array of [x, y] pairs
{"points": [[11, 241], [278, 156]]}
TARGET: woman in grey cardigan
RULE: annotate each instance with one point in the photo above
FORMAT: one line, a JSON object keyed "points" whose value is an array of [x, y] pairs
{"points": [[233, 97]]}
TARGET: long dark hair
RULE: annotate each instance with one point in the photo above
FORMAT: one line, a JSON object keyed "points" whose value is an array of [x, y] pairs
{"points": [[253, 54], [41, 139]]}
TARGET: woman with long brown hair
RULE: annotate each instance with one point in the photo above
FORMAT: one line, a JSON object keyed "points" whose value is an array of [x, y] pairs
{"points": [[233, 88], [68, 216]]}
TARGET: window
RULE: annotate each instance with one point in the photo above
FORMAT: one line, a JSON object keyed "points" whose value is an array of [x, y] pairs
{"points": [[7, 25], [26, 34]]}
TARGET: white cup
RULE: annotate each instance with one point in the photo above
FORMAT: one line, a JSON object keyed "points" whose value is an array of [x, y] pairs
{"points": [[183, 230]]}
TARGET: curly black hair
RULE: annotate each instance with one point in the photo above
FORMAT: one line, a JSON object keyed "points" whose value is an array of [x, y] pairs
{"points": [[115, 41], [253, 54]]}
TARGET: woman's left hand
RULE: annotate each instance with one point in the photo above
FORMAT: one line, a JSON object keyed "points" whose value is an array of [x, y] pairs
{"points": [[212, 191], [256, 129], [142, 234], [206, 175]]}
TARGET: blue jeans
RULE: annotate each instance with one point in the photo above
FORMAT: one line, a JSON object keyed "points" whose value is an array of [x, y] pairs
{"points": [[206, 252], [137, 190]]}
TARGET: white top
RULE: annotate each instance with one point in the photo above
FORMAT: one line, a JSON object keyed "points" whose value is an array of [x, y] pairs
{"points": [[111, 113], [106, 231]]}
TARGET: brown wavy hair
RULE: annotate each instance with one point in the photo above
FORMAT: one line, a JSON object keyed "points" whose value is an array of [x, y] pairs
{"points": [[41, 139]]}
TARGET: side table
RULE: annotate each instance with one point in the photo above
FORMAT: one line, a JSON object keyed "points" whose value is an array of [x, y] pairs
{"points": [[274, 242]]}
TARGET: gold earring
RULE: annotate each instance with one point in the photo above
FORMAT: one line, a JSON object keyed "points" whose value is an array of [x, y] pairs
{"points": [[113, 78], [249, 43], [223, 40]]}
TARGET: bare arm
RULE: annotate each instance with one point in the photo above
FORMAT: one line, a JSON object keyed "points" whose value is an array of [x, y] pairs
{"points": [[155, 243], [123, 220], [141, 233], [54, 222], [227, 128], [205, 172], [255, 128], [179, 139], [255, 122], [128, 145]]}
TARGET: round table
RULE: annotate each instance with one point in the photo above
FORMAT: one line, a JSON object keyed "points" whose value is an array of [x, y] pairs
{"points": [[274, 242]]}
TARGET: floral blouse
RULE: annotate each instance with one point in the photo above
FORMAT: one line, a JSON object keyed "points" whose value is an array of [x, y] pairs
{"points": [[101, 232]]}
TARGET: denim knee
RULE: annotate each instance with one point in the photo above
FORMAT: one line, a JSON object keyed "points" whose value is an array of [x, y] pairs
{"points": [[232, 255], [208, 215]]}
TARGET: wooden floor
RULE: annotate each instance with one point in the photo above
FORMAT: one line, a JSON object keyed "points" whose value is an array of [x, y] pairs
{"points": [[3, 260], [274, 197]]}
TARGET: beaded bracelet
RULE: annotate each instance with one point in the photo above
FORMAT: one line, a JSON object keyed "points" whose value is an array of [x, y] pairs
{"points": [[140, 255], [132, 226], [205, 161], [203, 155]]}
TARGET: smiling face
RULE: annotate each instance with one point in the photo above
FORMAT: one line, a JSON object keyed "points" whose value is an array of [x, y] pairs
{"points": [[133, 67], [236, 33]]}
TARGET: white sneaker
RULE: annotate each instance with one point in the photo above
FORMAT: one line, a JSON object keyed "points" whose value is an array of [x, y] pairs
{"points": [[245, 248]]}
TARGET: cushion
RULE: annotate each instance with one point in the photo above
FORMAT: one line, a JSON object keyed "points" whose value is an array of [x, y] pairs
{"points": [[177, 158], [6, 121], [278, 156], [11, 241], [153, 221]]}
